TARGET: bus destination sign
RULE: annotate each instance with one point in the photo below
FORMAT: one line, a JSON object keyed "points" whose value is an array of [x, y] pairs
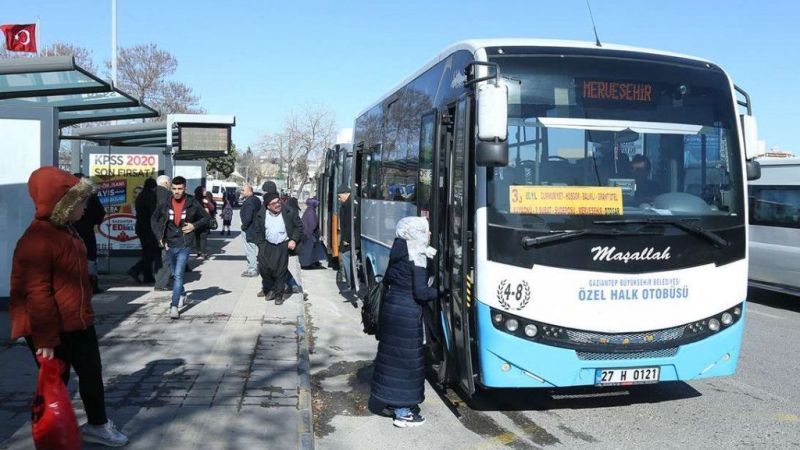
{"points": [[611, 92], [204, 139]]}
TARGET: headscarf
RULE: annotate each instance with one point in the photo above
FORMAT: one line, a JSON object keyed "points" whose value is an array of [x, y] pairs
{"points": [[310, 216], [414, 230]]}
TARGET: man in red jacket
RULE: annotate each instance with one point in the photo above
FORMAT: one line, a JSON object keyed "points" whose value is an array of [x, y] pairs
{"points": [[51, 293]]}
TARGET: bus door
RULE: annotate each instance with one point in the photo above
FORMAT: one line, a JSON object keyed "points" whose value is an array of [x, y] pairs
{"points": [[458, 195]]}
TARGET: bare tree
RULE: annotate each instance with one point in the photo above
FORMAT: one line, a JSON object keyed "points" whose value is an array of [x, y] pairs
{"points": [[309, 133], [143, 72], [83, 56]]}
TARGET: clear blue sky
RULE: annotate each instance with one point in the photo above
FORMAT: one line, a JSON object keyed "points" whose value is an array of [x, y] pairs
{"points": [[261, 59]]}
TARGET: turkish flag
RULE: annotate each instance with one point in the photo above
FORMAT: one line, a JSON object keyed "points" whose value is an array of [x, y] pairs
{"points": [[20, 38]]}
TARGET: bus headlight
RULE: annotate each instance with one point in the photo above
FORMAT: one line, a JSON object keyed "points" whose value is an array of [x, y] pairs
{"points": [[727, 319], [512, 325], [498, 318], [531, 330], [737, 311], [713, 325]]}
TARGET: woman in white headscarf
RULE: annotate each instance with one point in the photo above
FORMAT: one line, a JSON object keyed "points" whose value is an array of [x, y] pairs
{"points": [[399, 377]]}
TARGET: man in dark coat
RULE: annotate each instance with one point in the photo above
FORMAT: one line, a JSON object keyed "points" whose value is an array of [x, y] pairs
{"points": [[399, 376], [291, 284], [174, 224], [247, 213], [93, 216], [345, 247], [277, 233], [162, 268], [145, 207]]}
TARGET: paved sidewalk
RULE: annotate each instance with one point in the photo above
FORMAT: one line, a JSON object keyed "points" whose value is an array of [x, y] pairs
{"points": [[225, 376]]}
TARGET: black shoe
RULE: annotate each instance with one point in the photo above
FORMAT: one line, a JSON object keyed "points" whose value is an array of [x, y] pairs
{"points": [[281, 298], [272, 295], [296, 290]]}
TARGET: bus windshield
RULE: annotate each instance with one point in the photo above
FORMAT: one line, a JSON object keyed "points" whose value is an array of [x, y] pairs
{"points": [[594, 139]]}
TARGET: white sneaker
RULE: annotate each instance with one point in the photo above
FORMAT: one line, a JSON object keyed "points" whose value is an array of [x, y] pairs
{"points": [[106, 434], [183, 301], [173, 313]]}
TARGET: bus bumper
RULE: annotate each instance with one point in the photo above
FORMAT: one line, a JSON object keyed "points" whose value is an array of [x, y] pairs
{"points": [[507, 361]]}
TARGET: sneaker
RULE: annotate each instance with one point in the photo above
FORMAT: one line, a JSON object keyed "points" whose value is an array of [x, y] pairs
{"points": [[183, 301], [409, 420], [106, 434], [174, 313], [388, 411]]}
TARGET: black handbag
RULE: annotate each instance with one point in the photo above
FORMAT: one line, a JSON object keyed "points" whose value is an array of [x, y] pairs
{"points": [[213, 225], [371, 309]]}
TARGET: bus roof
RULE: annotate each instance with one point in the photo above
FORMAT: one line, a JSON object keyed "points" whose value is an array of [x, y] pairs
{"points": [[473, 45]]}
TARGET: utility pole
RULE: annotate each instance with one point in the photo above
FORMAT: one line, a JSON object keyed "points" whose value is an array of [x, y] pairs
{"points": [[114, 42]]}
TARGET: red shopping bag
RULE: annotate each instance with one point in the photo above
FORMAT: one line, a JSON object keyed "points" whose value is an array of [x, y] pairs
{"points": [[54, 424]]}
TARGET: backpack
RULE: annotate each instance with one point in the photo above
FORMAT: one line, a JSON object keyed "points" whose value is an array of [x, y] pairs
{"points": [[371, 309]]}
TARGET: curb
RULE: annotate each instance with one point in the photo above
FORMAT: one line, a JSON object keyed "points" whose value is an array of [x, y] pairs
{"points": [[305, 427]]}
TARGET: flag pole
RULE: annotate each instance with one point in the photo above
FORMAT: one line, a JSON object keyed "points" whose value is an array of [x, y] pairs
{"points": [[39, 42], [114, 42]]}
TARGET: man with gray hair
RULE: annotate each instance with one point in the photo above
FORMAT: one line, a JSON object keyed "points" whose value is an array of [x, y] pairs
{"points": [[250, 207], [162, 267]]}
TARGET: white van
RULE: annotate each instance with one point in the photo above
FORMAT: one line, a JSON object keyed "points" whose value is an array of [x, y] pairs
{"points": [[220, 188], [775, 226]]}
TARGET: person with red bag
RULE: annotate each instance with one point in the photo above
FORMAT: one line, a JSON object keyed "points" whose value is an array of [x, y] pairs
{"points": [[51, 294]]}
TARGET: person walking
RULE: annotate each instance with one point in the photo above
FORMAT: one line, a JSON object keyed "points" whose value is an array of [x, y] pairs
{"points": [[399, 376], [277, 233], [50, 302], [175, 223], [92, 217], [162, 267], [145, 207], [201, 235], [312, 251], [345, 253], [247, 213], [292, 286], [226, 215]]}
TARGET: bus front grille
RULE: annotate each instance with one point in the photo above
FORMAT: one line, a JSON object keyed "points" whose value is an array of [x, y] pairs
{"points": [[662, 353]]}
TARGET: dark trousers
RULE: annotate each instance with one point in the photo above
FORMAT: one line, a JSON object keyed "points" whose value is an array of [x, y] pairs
{"points": [[79, 349], [163, 270], [273, 265], [202, 242], [150, 254]]}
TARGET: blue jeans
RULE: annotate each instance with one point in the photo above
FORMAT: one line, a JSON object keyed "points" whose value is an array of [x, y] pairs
{"points": [[178, 258]]}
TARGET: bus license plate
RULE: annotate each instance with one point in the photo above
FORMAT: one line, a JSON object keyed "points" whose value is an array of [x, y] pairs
{"points": [[634, 375]]}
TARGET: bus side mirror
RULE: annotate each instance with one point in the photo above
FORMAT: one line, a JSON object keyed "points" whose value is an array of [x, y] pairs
{"points": [[750, 132], [753, 170], [491, 148]]}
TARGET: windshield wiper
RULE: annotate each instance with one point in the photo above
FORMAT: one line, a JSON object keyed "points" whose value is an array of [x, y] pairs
{"points": [[528, 242], [682, 224]]}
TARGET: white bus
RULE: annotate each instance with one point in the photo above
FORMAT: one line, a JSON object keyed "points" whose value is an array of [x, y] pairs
{"points": [[775, 226], [587, 204]]}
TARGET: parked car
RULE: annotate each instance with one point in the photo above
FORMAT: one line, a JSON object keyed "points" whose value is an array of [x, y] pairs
{"points": [[775, 226]]}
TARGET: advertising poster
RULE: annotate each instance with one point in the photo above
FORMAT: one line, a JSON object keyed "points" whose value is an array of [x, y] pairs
{"points": [[119, 178]]}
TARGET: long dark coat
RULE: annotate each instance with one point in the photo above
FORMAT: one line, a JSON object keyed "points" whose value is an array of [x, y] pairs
{"points": [[399, 375]]}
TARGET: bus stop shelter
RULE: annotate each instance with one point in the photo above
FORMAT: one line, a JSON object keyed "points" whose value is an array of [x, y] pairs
{"points": [[38, 98]]}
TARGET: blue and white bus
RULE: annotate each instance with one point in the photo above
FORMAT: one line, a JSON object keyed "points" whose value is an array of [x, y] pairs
{"points": [[587, 204]]}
